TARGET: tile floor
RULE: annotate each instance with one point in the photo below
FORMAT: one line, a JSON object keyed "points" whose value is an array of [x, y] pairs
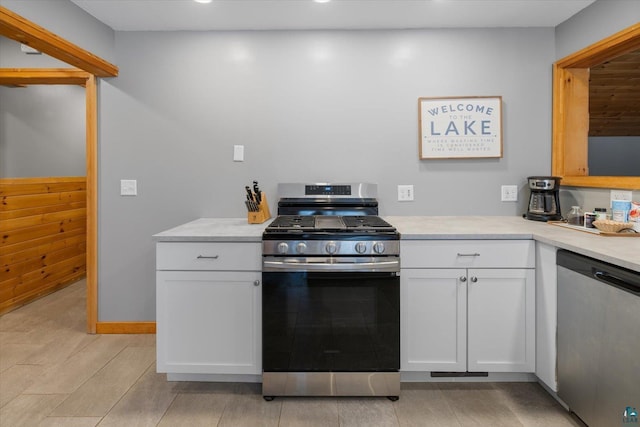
{"points": [[53, 374]]}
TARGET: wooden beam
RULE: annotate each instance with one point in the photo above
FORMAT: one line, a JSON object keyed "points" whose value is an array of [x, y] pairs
{"points": [[91, 90], [605, 50], [23, 31], [42, 76]]}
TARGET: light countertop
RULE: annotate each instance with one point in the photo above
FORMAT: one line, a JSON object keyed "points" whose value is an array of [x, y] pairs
{"points": [[214, 230], [622, 251]]}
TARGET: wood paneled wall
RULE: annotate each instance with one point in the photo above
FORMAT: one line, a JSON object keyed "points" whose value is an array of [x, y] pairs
{"points": [[43, 237]]}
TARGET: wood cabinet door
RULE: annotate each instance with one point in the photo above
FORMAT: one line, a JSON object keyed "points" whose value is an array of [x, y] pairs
{"points": [[501, 320], [433, 320], [209, 322]]}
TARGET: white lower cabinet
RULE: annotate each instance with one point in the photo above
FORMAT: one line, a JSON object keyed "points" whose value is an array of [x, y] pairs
{"points": [[208, 322], [468, 319]]}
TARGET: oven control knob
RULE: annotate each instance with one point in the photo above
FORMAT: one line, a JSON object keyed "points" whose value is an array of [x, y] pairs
{"points": [[361, 247], [331, 248], [283, 248], [301, 247], [378, 247]]}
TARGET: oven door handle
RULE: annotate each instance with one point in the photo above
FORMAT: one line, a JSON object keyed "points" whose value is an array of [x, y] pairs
{"points": [[369, 266]]}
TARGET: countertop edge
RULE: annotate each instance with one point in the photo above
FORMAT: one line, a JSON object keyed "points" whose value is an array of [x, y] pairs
{"points": [[467, 236], [431, 228], [228, 239]]}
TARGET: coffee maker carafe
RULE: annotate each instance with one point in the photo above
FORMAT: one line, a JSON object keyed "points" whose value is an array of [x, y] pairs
{"points": [[544, 202]]}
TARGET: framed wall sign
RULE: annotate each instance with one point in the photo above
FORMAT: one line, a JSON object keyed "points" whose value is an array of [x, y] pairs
{"points": [[460, 128]]}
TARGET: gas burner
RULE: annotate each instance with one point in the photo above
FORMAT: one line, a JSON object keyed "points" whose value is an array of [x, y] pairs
{"points": [[316, 220], [368, 222], [294, 222]]}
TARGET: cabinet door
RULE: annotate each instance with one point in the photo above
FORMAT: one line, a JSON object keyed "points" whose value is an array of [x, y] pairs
{"points": [[434, 320], [208, 322], [501, 319]]}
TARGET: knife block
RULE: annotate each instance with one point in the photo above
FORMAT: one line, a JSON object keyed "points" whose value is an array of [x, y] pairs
{"points": [[263, 213]]}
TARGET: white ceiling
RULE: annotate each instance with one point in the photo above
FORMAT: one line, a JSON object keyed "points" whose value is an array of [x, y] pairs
{"points": [[175, 15]]}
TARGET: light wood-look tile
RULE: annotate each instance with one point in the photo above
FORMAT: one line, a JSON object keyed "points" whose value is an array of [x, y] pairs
{"points": [[70, 422], [195, 410], [533, 406], [250, 410], [17, 379], [13, 354], [101, 392], [478, 404], [28, 409], [309, 412], [423, 404], [144, 404], [367, 411], [66, 377], [59, 345]]}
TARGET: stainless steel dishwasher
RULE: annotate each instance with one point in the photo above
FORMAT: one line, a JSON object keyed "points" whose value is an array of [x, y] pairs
{"points": [[598, 340]]}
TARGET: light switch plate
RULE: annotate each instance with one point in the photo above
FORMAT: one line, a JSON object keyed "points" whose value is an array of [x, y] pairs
{"points": [[128, 187], [509, 193], [238, 153], [405, 193]]}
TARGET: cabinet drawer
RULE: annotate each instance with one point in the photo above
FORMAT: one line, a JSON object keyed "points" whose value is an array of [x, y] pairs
{"points": [[467, 253], [209, 256]]}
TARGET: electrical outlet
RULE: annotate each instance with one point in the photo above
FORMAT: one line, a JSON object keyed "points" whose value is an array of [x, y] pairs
{"points": [[128, 187], [405, 193], [509, 193], [621, 195]]}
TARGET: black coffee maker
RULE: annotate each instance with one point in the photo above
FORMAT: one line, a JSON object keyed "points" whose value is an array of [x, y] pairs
{"points": [[544, 202]]}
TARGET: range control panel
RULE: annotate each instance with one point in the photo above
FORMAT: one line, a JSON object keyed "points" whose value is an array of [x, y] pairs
{"points": [[327, 190]]}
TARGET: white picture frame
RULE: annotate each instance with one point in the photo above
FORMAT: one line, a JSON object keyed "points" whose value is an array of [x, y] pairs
{"points": [[460, 127]]}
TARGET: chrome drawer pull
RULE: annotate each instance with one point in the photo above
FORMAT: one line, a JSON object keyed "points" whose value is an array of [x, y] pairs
{"points": [[473, 254], [208, 257]]}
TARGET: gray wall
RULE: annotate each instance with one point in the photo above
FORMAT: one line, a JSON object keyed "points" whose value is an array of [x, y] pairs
{"points": [[614, 155], [42, 131], [308, 106]]}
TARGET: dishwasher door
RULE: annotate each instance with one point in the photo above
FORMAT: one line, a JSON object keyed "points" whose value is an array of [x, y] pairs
{"points": [[598, 340]]}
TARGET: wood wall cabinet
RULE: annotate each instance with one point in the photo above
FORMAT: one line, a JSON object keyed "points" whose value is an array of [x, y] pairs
{"points": [[208, 298], [468, 306]]}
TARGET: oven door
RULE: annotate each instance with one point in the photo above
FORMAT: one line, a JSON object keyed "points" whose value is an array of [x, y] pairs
{"points": [[331, 321]]}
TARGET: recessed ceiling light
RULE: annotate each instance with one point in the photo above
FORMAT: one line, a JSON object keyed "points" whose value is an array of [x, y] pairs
{"points": [[203, 1], [322, 1]]}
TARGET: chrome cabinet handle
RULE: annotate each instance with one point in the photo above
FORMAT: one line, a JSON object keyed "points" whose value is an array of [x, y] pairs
{"points": [[208, 257], [463, 279], [256, 283], [473, 254], [474, 279]]}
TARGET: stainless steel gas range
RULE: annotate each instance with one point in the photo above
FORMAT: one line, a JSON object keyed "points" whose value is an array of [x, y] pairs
{"points": [[331, 295]]}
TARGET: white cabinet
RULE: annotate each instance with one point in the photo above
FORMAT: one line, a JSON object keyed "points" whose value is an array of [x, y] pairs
{"points": [[468, 306], [434, 320], [501, 320], [208, 308], [546, 314]]}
